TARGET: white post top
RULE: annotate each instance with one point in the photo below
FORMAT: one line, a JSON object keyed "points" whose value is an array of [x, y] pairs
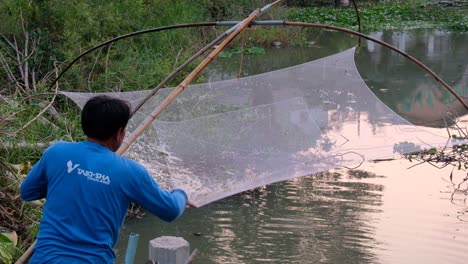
{"points": [[169, 250]]}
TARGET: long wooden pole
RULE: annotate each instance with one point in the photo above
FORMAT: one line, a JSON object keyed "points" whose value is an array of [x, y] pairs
{"points": [[171, 97]]}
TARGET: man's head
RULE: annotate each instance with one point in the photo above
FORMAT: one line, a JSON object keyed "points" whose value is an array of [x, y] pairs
{"points": [[104, 119]]}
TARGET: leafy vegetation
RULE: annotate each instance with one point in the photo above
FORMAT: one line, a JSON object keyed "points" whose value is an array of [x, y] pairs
{"points": [[7, 249]]}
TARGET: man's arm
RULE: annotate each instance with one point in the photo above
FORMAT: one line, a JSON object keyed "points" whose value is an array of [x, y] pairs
{"points": [[34, 186], [167, 205]]}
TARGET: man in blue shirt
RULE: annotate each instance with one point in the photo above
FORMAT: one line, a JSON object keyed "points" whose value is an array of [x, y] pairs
{"points": [[88, 189]]}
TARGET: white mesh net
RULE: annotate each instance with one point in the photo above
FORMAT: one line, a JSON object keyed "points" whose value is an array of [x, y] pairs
{"points": [[225, 137]]}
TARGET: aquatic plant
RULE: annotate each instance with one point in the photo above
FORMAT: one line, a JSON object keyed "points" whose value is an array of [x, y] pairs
{"points": [[386, 16], [246, 51]]}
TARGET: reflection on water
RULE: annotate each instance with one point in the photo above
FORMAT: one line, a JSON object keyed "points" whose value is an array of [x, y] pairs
{"points": [[287, 222], [421, 221], [409, 90], [381, 213], [394, 215]]}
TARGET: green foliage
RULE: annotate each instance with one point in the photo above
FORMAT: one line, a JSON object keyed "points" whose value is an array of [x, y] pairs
{"points": [[7, 249], [15, 14]]}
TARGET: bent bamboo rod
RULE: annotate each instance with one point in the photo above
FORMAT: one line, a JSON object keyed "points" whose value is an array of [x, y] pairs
{"points": [[406, 55], [233, 32], [171, 75], [157, 29]]}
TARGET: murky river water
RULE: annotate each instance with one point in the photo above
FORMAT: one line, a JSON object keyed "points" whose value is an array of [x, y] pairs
{"points": [[384, 212]]}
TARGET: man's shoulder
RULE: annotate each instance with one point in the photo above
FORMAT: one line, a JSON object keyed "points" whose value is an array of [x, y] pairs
{"points": [[61, 143], [60, 146], [132, 164]]}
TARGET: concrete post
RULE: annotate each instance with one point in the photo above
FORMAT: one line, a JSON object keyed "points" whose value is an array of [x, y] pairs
{"points": [[169, 250]]}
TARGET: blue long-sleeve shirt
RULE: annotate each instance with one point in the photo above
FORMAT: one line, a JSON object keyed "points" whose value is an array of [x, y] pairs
{"points": [[88, 189]]}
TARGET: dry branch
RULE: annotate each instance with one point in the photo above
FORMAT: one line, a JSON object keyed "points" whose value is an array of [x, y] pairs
{"points": [[45, 108]]}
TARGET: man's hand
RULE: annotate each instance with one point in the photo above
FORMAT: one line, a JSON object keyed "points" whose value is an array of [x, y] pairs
{"points": [[191, 205]]}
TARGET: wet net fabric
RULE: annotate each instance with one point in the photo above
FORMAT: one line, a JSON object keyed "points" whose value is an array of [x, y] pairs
{"points": [[225, 137]]}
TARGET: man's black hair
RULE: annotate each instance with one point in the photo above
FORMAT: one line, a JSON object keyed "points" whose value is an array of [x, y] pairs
{"points": [[102, 116]]}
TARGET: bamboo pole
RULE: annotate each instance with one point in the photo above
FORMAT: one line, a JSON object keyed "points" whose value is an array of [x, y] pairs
{"points": [[406, 55], [171, 97]]}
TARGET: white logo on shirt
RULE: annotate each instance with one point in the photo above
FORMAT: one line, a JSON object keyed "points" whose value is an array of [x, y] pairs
{"points": [[71, 167], [97, 177]]}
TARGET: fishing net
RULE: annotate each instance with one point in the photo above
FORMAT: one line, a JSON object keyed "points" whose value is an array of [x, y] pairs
{"points": [[221, 138]]}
